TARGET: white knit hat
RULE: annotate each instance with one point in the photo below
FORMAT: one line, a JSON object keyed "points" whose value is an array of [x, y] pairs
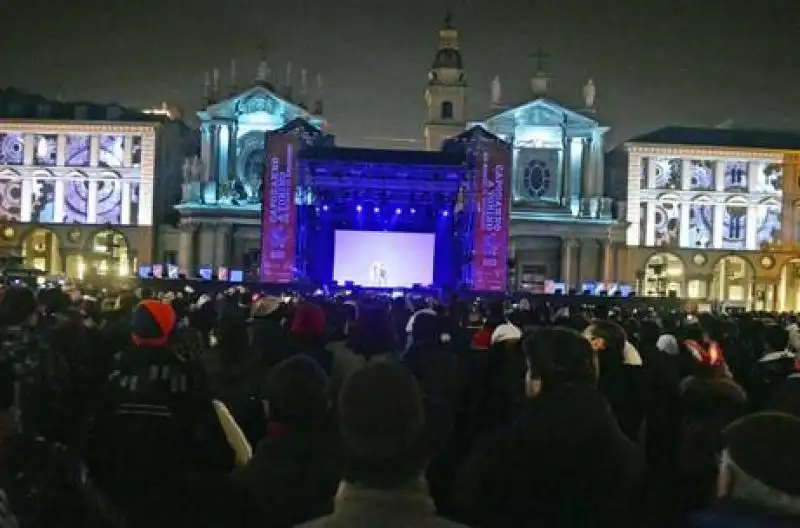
{"points": [[506, 332]]}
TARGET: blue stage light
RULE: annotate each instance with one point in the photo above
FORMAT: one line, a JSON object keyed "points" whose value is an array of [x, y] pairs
{"points": [[445, 213], [398, 211], [413, 211], [358, 208], [324, 207], [376, 210]]}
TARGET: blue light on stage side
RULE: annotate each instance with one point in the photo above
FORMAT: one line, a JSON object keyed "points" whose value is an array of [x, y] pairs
{"points": [[359, 208], [376, 210], [398, 211], [413, 211], [324, 207], [445, 213]]}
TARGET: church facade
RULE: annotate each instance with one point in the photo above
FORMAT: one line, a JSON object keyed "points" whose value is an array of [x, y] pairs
{"points": [[563, 228]]}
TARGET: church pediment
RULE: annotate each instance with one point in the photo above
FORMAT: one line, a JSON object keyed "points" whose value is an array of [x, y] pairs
{"points": [[256, 102], [543, 112]]}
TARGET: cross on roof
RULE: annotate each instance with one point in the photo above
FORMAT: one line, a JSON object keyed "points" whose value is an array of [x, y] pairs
{"points": [[263, 48], [540, 56]]}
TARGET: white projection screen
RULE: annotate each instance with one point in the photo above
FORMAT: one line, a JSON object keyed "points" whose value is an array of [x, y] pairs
{"points": [[383, 258]]}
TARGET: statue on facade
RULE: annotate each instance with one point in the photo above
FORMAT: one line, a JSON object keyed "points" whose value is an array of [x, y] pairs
{"points": [[497, 91], [589, 93], [192, 172]]}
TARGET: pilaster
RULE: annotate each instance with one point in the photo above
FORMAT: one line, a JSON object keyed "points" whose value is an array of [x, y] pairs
{"points": [[566, 199], [719, 217], [222, 239], [567, 246]]}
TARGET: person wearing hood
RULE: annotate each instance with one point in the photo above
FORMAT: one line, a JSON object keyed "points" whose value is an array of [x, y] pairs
{"points": [[621, 374]]}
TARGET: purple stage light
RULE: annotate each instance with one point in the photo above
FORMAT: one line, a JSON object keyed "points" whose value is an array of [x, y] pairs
{"points": [[398, 211], [376, 210], [359, 208]]}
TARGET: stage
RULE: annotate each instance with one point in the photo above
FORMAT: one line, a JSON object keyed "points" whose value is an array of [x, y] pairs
{"points": [[385, 218]]}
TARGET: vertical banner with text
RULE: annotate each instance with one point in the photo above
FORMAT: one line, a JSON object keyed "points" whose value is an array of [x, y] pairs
{"points": [[490, 260], [278, 223]]}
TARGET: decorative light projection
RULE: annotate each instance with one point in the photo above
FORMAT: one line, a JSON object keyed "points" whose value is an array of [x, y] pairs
{"points": [[701, 222], [734, 227], [769, 224], [43, 201], [701, 177], [668, 173], [109, 202], [539, 173], [643, 175], [11, 149], [111, 151], [770, 178], [536, 179], [10, 199], [136, 151], [134, 204], [668, 224], [77, 151], [77, 210], [45, 150], [735, 175]]}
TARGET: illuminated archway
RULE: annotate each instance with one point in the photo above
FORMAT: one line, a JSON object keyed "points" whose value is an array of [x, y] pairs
{"points": [[732, 281], [108, 254], [790, 286], [41, 249], [664, 275]]}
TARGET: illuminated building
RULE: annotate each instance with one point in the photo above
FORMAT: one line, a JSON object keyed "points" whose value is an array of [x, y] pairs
{"points": [[563, 227], [712, 215], [78, 183]]}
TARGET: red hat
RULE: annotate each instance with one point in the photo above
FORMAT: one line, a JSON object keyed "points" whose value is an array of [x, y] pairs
{"points": [[309, 320], [153, 323]]}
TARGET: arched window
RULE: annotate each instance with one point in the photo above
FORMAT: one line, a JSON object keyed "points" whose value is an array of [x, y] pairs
{"points": [[447, 110]]}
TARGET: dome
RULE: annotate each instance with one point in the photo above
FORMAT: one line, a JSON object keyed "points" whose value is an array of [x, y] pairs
{"points": [[448, 58]]}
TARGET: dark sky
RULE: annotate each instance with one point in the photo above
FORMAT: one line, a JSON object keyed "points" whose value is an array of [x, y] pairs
{"points": [[655, 62]]}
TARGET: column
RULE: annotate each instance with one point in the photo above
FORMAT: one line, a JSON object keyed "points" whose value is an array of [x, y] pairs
{"points": [[651, 172], [205, 149], [28, 149], [205, 248], [232, 139], [223, 145], [586, 169], [61, 150], [127, 151], [753, 176], [26, 205], [686, 175], [719, 217], [751, 240], [91, 202], [566, 261], [222, 245], [566, 200], [650, 226], [719, 176], [608, 261], [59, 201], [145, 203], [94, 151], [214, 157], [125, 204], [685, 213], [186, 252]]}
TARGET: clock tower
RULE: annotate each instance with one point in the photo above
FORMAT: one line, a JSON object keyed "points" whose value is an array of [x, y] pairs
{"points": [[445, 94]]}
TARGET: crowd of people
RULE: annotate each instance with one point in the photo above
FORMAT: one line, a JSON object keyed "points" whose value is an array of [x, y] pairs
{"points": [[380, 412]]}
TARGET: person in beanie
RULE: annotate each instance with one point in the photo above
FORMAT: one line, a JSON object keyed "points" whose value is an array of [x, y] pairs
{"points": [[564, 461], [388, 439], [758, 482], [295, 470], [157, 419]]}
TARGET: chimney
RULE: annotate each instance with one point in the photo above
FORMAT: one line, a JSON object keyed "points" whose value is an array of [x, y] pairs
{"points": [[318, 102]]}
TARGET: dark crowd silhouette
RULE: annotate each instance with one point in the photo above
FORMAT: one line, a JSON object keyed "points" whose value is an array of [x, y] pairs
{"points": [[141, 409]]}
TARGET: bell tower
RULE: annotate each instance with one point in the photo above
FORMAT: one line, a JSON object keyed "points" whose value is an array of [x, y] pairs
{"points": [[445, 95]]}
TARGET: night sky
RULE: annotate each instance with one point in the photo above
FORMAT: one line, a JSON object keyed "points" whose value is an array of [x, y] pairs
{"points": [[655, 62]]}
